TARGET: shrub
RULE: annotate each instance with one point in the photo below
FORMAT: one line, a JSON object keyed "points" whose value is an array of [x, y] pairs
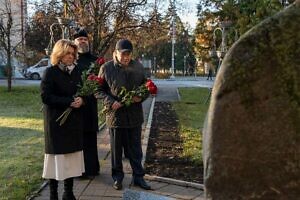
{"points": [[160, 75], [3, 70]]}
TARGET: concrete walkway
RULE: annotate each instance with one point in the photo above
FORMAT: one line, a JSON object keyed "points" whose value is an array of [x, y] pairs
{"points": [[100, 187]]}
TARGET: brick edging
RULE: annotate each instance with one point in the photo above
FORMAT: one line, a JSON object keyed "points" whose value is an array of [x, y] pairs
{"points": [[146, 133], [174, 181]]}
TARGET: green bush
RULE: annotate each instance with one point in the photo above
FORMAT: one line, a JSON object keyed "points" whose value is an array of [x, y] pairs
{"points": [[3, 71], [160, 75]]}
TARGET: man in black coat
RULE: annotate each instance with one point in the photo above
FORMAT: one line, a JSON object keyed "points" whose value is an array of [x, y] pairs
{"points": [[124, 122], [90, 122]]}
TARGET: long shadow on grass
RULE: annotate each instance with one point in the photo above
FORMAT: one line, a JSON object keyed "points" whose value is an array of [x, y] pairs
{"points": [[17, 134], [21, 161]]}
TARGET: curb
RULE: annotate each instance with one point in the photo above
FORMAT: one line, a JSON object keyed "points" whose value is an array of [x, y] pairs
{"points": [[174, 182], [178, 94], [37, 192], [144, 147], [147, 131]]}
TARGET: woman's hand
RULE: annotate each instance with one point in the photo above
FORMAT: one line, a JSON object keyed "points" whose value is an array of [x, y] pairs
{"points": [[77, 102]]}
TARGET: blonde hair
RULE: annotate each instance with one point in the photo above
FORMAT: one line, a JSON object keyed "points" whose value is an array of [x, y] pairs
{"points": [[61, 48]]}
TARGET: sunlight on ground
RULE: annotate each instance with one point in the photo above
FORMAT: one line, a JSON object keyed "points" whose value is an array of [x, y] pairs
{"points": [[17, 122]]}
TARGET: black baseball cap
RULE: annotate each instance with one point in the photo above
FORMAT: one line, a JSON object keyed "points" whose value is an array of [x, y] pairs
{"points": [[124, 45], [80, 32]]}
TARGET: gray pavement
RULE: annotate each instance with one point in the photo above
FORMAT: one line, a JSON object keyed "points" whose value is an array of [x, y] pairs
{"points": [[100, 187], [20, 82], [177, 82]]}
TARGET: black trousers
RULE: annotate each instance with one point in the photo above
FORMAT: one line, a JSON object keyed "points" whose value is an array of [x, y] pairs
{"points": [[90, 152], [128, 139]]}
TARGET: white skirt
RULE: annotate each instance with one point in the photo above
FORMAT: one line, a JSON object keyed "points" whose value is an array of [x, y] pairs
{"points": [[63, 166]]}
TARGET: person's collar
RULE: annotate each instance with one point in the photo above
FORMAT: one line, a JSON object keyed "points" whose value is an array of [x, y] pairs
{"points": [[66, 68], [83, 54], [118, 64]]}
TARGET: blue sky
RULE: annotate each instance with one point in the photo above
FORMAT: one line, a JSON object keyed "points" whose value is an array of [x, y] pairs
{"points": [[189, 13]]}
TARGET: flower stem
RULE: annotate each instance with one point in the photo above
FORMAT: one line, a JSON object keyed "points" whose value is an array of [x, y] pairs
{"points": [[63, 117]]}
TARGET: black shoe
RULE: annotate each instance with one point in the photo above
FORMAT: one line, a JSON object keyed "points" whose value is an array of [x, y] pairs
{"points": [[53, 189], [68, 196], [141, 183], [54, 196], [68, 190], [117, 185]]}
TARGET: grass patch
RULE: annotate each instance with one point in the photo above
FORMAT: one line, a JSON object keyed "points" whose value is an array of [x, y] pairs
{"points": [[191, 111], [21, 142]]}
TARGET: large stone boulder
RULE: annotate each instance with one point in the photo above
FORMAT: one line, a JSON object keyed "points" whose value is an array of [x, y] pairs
{"points": [[252, 132]]}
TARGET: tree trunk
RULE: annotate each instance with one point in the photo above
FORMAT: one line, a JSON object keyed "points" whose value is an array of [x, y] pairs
{"points": [[8, 65], [9, 72]]}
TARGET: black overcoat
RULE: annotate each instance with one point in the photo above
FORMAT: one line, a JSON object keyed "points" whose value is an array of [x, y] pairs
{"points": [[90, 111], [57, 91], [116, 77], [90, 122]]}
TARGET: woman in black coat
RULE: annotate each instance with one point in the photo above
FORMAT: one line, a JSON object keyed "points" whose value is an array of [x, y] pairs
{"points": [[63, 143]]}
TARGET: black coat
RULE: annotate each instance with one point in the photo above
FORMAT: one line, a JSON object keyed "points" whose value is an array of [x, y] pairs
{"points": [[117, 77], [90, 110], [57, 91]]}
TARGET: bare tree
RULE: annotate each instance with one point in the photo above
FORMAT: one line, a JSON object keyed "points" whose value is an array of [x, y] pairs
{"points": [[107, 19], [37, 34], [6, 24]]}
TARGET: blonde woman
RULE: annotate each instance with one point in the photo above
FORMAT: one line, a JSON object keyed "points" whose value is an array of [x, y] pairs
{"points": [[63, 144]]}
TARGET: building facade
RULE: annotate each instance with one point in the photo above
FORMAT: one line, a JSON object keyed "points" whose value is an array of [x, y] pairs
{"points": [[18, 10]]}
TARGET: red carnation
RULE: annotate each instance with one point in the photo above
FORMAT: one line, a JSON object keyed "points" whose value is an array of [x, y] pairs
{"points": [[151, 87], [153, 90], [149, 83], [92, 77], [100, 61], [100, 80]]}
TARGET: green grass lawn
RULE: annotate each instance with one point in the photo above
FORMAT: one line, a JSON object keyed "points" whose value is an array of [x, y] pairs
{"points": [[21, 142], [191, 111]]}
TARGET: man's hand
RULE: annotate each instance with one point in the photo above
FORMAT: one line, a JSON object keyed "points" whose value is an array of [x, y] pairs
{"points": [[136, 99], [116, 105], [77, 102]]}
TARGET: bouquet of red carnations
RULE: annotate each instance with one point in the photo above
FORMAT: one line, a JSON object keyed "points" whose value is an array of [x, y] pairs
{"points": [[89, 86], [127, 96], [141, 91], [95, 67]]}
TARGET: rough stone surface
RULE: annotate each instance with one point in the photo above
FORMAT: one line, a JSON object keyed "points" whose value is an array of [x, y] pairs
{"points": [[138, 195], [252, 132]]}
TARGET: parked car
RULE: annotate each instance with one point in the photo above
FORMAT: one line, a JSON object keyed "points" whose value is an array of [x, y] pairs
{"points": [[36, 71]]}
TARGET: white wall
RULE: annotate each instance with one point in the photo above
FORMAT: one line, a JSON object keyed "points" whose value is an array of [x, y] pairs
{"points": [[19, 14]]}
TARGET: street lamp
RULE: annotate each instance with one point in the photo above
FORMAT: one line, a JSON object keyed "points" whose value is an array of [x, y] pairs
{"points": [[173, 40], [184, 65], [154, 65], [222, 49], [65, 25]]}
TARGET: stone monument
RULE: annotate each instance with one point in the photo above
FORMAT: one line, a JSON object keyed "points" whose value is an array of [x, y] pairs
{"points": [[252, 131]]}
